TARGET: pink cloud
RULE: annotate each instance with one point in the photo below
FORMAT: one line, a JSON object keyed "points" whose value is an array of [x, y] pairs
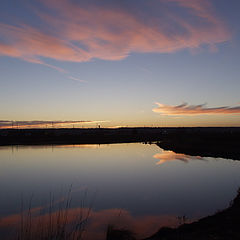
{"points": [[77, 79], [41, 124], [78, 33], [185, 109]]}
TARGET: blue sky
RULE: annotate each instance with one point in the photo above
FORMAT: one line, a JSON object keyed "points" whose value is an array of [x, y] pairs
{"points": [[113, 61]]}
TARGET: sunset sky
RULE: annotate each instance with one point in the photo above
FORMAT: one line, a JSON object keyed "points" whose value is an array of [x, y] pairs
{"points": [[120, 62]]}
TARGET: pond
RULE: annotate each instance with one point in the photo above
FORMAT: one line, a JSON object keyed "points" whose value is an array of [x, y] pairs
{"points": [[139, 187]]}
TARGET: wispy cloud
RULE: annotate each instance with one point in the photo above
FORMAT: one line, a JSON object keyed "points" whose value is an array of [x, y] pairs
{"points": [[77, 79], [39, 124], [79, 32], [186, 109]]}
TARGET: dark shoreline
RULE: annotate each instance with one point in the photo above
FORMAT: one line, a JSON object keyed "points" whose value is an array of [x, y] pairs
{"points": [[78, 136], [221, 142], [204, 142], [223, 225]]}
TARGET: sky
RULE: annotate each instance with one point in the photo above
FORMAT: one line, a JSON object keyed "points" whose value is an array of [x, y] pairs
{"points": [[119, 63]]}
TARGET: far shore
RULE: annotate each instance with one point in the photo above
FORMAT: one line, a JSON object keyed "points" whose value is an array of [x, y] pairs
{"points": [[221, 142]]}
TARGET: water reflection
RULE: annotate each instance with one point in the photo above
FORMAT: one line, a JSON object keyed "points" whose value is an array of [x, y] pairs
{"points": [[167, 156], [92, 146], [132, 192], [69, 146], [75, 222]]}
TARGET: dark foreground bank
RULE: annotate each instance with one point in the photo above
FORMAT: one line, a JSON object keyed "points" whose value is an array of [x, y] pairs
{"points": [[224, 225]]}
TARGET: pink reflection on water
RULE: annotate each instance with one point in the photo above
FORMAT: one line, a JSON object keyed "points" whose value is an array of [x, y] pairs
{"points": [[167, 156], [97, 222]]}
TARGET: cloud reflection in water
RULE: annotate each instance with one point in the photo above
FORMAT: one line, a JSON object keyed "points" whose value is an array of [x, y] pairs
{"points": [[97, 223], [167, 156]]}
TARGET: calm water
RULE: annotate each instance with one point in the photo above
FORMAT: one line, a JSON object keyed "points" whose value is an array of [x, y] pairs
{"points": [[136, 186]]}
